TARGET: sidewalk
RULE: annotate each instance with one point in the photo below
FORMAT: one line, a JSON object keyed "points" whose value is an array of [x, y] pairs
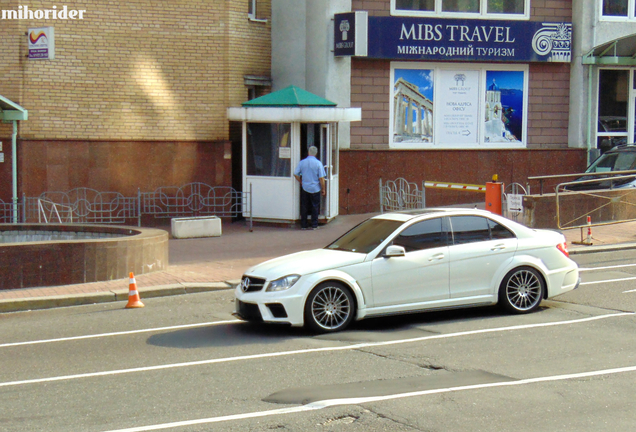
{"points": [[218, 263]]}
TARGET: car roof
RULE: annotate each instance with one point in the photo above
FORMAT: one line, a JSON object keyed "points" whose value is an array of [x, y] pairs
{"points": [[622, 148], [407, 215]]}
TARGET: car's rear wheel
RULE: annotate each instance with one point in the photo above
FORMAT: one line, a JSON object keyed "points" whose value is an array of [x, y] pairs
{"points": [[329, 308], [521, 291]]}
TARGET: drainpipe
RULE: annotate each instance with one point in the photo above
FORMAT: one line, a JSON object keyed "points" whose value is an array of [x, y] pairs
{"points": [[14, 165], [589, 113]]}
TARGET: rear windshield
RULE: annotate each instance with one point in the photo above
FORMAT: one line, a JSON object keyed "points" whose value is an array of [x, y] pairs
{"points": [[622, 161], [366, 236]]}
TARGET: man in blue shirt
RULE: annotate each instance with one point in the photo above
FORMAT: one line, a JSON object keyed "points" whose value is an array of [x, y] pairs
{"points": [[311, 175]]}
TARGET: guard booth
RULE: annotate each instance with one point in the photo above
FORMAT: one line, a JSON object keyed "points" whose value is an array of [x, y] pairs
{"points": [[277, 131]]}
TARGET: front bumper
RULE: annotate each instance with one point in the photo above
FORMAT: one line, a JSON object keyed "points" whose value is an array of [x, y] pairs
{"points": [[285, 307]]}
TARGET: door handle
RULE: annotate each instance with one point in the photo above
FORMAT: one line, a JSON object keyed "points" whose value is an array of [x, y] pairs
{"points": [[498, 247], [436, 257]]}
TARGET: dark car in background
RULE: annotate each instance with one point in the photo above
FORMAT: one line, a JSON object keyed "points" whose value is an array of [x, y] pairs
{"points": [[611, 124], [620, 158]]}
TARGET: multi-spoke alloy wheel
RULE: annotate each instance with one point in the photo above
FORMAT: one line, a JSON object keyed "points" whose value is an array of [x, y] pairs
{"points": [[521, 290], [329, 307]]}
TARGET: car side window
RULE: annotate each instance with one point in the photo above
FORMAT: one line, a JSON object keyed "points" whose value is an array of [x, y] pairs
{"points": [[498, 231], [422, 235], [469, 229]]}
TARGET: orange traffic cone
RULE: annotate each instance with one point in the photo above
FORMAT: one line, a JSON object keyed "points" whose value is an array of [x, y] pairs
{"points": [[133, 294]]}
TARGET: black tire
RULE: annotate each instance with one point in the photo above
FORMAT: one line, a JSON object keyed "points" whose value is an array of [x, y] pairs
{"points": [[330, 307], [522, 290]]}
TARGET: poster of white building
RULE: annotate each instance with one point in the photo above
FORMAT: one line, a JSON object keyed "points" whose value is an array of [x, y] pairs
{"points": [[504, 107]]}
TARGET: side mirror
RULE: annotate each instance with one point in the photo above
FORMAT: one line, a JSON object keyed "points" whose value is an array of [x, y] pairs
{"points": [[394, 251]]}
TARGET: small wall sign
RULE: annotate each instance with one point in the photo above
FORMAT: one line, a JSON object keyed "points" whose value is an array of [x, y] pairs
{"points": [[41, 42]]}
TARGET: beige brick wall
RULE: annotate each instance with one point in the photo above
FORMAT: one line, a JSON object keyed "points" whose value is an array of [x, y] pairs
{"points": [[136, 70]]}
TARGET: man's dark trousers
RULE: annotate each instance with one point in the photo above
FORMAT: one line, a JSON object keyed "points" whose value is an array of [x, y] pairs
{"points": [[309, 202]]}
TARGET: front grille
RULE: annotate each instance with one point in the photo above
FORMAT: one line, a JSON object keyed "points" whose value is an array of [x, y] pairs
{"points": [[248, 311], [252, 284]]}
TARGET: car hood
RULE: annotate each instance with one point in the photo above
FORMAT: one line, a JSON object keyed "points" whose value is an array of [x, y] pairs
{"points": [[304, 263]]}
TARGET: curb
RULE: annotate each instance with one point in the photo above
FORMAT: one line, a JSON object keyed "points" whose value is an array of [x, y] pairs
{"points": [[36, 303], [602, 248]]}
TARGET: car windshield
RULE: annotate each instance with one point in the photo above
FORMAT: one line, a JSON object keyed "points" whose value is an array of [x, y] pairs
{"points": [[366, 236], [619, 161]]}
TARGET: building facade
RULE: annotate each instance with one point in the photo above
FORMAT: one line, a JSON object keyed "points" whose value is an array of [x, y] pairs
{"points": [[453, 98], [136, 94], [449, 90], [603, 77]]}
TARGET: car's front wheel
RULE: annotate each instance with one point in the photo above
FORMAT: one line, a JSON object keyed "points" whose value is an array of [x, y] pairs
{"points": [[521, 291], [329, 307]]}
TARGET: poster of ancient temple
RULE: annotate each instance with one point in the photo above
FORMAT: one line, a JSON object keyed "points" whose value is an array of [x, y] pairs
{"points": [[413, 106]]}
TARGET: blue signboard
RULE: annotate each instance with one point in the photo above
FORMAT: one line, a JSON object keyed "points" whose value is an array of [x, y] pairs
{"points": [[407, 38]]}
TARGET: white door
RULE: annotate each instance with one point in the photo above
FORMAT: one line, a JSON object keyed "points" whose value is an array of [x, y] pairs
{"points": [[329, 156], [481, 246], [421, 275]]}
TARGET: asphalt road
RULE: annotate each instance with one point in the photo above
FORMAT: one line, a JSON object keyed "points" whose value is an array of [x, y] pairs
{"points": [[184, 364]]}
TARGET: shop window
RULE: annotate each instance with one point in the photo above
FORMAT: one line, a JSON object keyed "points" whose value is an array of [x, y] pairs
{"points": [[458, 106], [618, 8], [415, 5], [505, 6], [460, 6], [488, 8], [612, 108], [268, 149]]}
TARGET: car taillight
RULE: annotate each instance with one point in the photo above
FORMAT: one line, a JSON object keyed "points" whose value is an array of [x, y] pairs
{"points": [[563, 247]]}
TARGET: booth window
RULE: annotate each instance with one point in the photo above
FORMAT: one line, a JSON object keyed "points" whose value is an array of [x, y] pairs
{"points": [[514, 8], [268, 149], [613, 89]]}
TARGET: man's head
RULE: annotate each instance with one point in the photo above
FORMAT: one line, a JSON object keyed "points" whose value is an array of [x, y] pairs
{"points": [[313, 151]]}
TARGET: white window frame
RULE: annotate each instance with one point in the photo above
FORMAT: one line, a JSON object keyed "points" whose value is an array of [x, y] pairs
{"points": [[631, 14], [631, 108], [252, 16], [482, 14], [438, 96], [251, 5]]}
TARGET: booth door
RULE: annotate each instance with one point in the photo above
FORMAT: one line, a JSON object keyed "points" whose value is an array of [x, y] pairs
{"points": [[329, 157]]}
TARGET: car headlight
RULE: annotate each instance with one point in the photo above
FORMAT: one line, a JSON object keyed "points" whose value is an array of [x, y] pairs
{"points": [[283, 283]]}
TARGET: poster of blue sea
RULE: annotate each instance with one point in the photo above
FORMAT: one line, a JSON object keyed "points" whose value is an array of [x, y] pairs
{"points": [[504, 106]]}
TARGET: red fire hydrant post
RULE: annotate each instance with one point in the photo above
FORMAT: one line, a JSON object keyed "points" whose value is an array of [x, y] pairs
{"points": [[494, 194]]}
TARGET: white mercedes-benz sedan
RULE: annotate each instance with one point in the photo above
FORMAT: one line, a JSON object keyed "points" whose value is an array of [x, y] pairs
{"points": [[394, 263]]}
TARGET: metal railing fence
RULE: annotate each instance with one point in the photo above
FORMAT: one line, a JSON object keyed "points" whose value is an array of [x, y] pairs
{"points": [[605, 206], [400, 194], [85, 205]]}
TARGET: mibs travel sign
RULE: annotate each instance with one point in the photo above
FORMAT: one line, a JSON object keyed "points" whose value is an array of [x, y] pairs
{"points": [[405, 38]]}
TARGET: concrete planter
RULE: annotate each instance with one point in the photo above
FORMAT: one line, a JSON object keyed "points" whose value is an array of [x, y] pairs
{"points": [[193, 227]]}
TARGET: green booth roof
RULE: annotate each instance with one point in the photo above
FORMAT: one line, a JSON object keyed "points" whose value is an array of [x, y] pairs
{"points": [[291, 96]]}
